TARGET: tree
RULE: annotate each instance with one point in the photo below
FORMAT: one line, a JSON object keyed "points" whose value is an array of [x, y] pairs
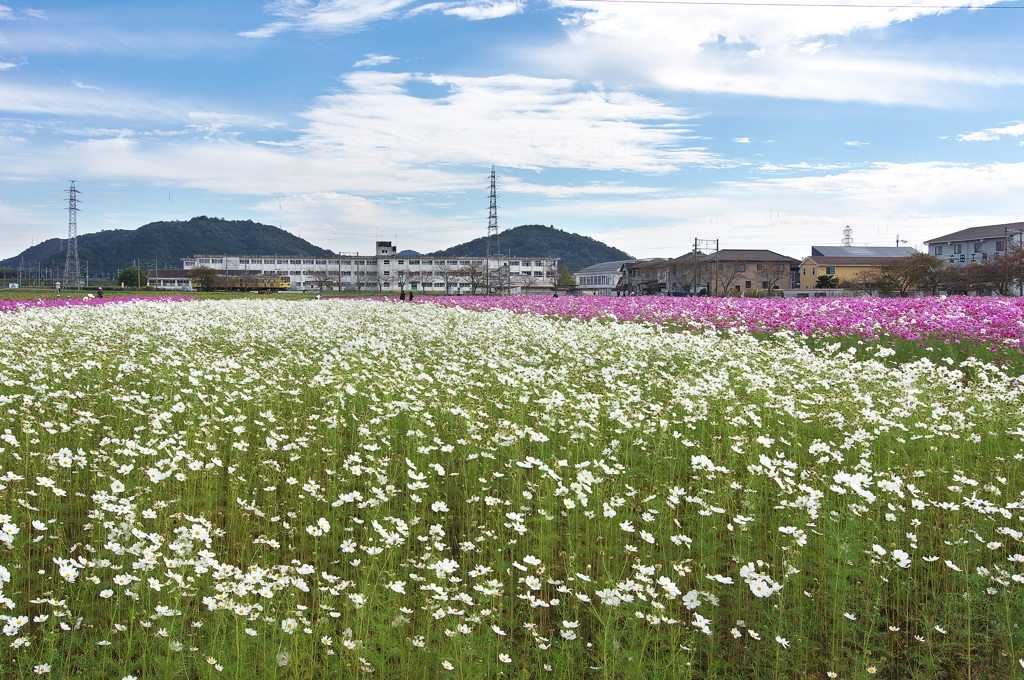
{"points": [[324, 279], [775, 273], [904, 274], [827, 281], [403, 277], [565, 279], [726, 275], [365, 277], [473, 274], [204, 278], [1003, 274], [448, 274], [525, 282], [133, 277], [683, 273], [865, 279]]}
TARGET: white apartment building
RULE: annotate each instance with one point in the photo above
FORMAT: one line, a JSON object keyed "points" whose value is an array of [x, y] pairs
{"points": [[387, 270]]}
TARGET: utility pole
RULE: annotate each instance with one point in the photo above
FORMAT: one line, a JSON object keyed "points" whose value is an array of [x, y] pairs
{"points": [[72, 268], [493, 245]]}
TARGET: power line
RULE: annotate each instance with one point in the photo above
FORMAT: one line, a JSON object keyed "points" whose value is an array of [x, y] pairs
{"points": [[796, 4]]}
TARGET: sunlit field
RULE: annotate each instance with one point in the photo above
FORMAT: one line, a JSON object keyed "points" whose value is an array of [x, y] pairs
{"points": [[335, 489]]}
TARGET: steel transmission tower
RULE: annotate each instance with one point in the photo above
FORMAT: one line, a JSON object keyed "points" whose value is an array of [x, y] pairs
{"points": [[847, 236], [72, 268], [493, 246]]}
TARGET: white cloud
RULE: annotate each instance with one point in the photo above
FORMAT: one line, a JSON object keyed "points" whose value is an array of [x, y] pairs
{"points": [[741, 140], [83, 86], [211, 121], [510, 120], [769, 51], [6, 12], [917, 201], [855, 143], [349, 16], [326, 16], [991, 134], [4, 65], [374, 60], [66, 101], [486, 9]]}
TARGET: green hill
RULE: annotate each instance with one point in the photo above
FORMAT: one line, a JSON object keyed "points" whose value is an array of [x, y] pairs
{"points": [[163, 244], [535, 240]]}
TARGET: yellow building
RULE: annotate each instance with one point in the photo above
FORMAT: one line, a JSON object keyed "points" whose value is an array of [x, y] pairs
{"points": [[846, 262]]}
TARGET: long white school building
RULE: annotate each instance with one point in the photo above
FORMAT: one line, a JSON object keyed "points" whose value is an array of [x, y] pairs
{"points": [[384, 270]]}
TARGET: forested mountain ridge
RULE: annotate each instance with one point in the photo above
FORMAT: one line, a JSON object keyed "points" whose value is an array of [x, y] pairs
{"points": [[163, 244], [536, 240]]}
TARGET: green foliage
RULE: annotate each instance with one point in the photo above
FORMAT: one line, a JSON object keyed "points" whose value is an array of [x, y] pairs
{"points": [[133, 277], [827, 281], [535, 240], [163, 244], [204, 278]]}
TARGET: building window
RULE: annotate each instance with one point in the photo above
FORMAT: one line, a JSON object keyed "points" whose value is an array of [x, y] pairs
{"points": [[957, 249], [295, 262], [204, 262], [805, 271], [1000, 246], [401, 262], [387, 261], [831, 271], [741, 267], [760, 266], [978, 247], [514, 264], [963, 258], [747, 284], [937, 250]]}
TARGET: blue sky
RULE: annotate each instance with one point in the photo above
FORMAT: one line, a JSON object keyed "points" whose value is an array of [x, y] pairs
{"points": [[640, 124]]}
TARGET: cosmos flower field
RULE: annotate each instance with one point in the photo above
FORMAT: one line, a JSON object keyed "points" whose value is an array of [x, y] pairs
{"points": [[276, 489]]}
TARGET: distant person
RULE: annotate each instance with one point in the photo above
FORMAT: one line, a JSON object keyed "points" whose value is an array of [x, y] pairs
{"points": [[56, 284], [410, 296], [99, 292], [402, 296], [318, 296], [555, 295]]}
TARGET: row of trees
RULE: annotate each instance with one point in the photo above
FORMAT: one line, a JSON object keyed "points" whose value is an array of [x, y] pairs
{"points": [[1003, 275]]}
